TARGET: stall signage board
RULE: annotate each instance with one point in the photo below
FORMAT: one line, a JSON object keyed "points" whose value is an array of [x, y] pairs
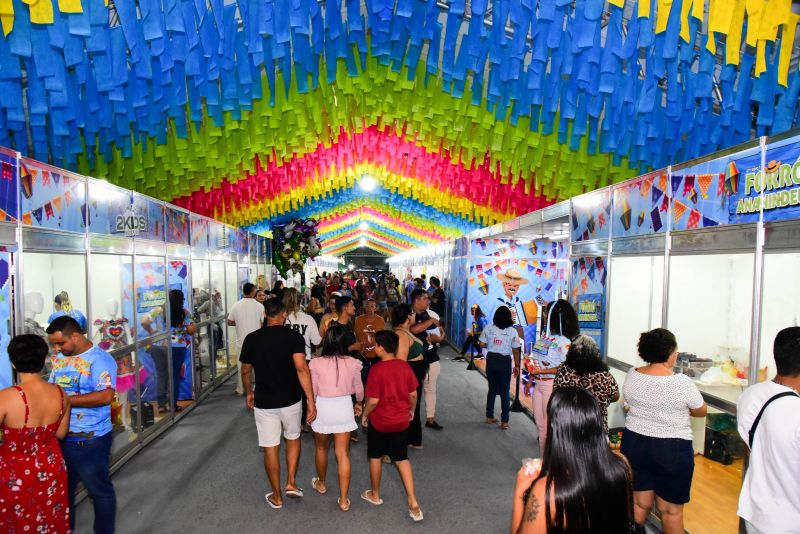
{"points": [[591, 310], [776, 186], [130, 222]]}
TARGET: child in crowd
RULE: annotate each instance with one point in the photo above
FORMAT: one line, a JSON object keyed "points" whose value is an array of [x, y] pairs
{"points": [[391, 398]]}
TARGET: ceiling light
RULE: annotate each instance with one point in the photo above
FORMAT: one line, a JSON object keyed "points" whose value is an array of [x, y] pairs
{"points": [[523, 241], [363, 225], [351, 267], [367, 183], [363, 242]]}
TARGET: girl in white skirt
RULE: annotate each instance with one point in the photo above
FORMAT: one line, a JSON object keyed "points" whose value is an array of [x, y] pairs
{"points": [[335, 377]]}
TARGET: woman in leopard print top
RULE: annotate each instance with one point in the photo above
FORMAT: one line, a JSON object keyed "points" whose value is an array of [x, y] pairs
{"points": [[584, 369]]}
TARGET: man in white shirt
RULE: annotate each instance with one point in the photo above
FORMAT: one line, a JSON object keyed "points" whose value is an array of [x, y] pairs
{"points": [[770, 498], [306, 326], [247, 316], [300, 321]]}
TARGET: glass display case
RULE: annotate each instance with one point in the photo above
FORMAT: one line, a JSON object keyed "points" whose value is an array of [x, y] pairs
{"points": [[215, 331], [202, 312], [47, 276], [125, 408], [710, 313], [151, 295], [113, 319], [636, 292], [232, 294], [156, 382], [779, 305], [6, 315]]}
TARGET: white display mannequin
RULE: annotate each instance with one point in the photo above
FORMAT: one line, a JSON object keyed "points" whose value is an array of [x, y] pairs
{"points": [[34, 304]]}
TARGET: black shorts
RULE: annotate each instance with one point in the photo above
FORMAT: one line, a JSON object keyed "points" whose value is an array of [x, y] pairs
{"points": [[662, 465], [393, 444]]}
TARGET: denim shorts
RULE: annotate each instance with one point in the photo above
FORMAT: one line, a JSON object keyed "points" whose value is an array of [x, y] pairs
{"points": [[662, 465]]}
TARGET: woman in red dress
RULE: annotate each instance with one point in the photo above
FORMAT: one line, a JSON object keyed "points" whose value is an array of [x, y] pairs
{"points": [[33, 416]]}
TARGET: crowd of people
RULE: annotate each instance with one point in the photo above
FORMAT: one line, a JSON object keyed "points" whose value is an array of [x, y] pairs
{"points": [[352, 356], [316, 369]]}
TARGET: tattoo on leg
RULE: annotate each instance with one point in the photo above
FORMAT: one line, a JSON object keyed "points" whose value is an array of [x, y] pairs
{"points": [[531, 508]]}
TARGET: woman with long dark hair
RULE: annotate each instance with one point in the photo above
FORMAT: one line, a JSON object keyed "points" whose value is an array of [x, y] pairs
{"points": [[411, 349], [335, 376], [182, 329], [549, 352], [479, 322], [581, 485], [502, 339], [583, 368]]}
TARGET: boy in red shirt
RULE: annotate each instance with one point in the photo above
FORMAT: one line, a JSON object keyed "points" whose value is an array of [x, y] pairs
{"points": [[391, 397]]}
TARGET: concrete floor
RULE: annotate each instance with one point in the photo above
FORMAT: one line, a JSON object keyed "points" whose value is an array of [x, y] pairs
{"points": [[206, 474]]}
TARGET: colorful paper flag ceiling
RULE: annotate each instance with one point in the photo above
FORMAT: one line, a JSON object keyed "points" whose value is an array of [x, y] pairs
{"points": [[464, 113]]}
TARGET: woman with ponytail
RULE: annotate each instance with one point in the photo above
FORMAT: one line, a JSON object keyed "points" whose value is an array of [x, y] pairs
{"points": [[549, 352], [63, 306]]}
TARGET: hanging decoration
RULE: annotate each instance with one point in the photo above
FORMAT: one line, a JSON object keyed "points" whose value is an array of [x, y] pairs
{"points": [[294, 243], [254, 110]]}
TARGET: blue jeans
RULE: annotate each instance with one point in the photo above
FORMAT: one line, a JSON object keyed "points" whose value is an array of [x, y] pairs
{"points": [[178, 357], [87, 461], [498, 373]]}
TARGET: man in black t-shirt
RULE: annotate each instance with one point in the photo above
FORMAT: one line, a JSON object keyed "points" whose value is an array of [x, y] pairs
{"points": [[422, 323], [437, 297], [278, 356], [318, 291]]}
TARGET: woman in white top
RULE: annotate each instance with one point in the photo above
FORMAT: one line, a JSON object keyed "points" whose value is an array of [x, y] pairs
{"points": [[549, 352], [658, 438], [501, 340]]}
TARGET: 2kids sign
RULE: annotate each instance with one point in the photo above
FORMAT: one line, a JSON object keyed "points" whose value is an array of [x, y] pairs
{"points": [[130, 222], [775, 188]]}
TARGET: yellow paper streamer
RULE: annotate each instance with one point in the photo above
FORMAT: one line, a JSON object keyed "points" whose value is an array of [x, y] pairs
{"points": [[733, 43], [662, 15], [719, 16], [685, 27], [6, 16], [699, 9], [70, 6], [761, 58], [644, 8], [41, 11], [618, 3], [755, 10], [787, 43]]}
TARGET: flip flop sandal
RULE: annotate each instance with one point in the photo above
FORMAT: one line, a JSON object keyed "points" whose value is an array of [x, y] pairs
{"points": [[367, 497], [491, 420], [345, 507], [295, 493], [503, 426], [272, 504], [316, 483], [416, 516]]}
